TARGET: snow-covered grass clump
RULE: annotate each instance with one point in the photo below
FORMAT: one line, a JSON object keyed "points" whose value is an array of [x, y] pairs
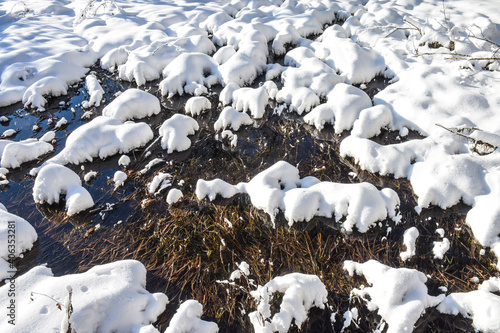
{"points": [[95, 91], [16, 236], [103, 137], [399, 295], [132, 104], [279, 188], [301, 293], [187, 319], [174, 133], [196, 105], [14, 153], [232, 118], [53, 181], [481, 305], [107, 298]]}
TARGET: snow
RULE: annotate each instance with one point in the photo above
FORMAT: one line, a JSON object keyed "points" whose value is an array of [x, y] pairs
{"points": [[188, 68], [53, 181], [48, 46], [440, 248], [160, 181], [277, 188], [196, 105], [119, 178], [409, 238], [108, 298], [187, 320], [95, 91], [124, 160], [301, 293], [174, 195], [14, 153], [13, 245], [132, 104], [399, 295], [253, 100], [480, 305], [230, 117], [174, 133], [102, 137]]}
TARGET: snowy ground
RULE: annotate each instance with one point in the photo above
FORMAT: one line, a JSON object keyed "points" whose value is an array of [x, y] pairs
{"points": [[105, 102]]}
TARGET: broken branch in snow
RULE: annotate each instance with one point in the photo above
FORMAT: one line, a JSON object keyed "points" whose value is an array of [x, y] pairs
{"points": [[484, 142]]}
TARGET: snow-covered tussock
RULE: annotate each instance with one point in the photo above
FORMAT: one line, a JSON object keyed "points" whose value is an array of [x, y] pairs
{"points": [[279, 188], [95, 91], [196, 105], [187, 320], [301, 293], [174, 133], [13, 154], [230, 117], [409, 239], [54, 180], [107, 298], [24, 237], [132, 104], [103, 137], [399, 295], [186, 69], [481, 305]]}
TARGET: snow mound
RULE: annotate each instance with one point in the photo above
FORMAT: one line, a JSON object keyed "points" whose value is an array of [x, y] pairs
{"points": [[107, 298], [174, 195], [230, 117], [174, 133], [186, 69], [54, 180], [24, 237], [103, 137], [482, 306], [132, 104], [345, 104], [48, 85], [280, 188], [196, 105], [95, 91], [119, 178], [253, 100], [301, 293], [357, 63], [409, 238], [13, 153], [187, 320], [398, 294]]}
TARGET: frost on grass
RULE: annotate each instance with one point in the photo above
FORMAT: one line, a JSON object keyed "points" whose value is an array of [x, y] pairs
{"points": [[53, 181], [132, 104], [187, 320], [14, 153], [279, 188], [301, 293], [482, 306], [103, 137], [25, 236], [174, 133], [399, 295], [107, 298]]}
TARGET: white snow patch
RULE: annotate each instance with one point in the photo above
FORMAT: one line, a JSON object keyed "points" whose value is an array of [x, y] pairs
{"points": [[132, 104], [398, 294], [301, 293], [174, 133], [196, 105], [230, 117], [409, 238], [13, 153], [187, 320], [174, 195], [108, 298]]}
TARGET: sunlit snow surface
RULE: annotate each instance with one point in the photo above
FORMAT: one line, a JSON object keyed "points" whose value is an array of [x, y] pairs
{"points": [[441, 58]]}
